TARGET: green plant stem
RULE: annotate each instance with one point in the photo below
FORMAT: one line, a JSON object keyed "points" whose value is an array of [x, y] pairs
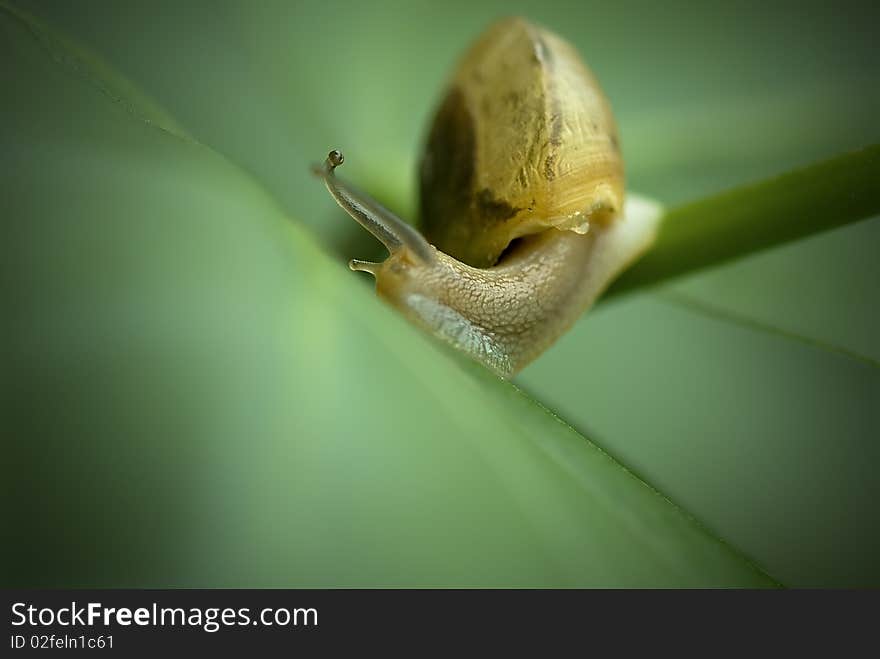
{"points": [[822, 196]]}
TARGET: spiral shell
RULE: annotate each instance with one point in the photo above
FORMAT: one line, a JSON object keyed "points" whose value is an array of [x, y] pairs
{"points": [[523, 141]]}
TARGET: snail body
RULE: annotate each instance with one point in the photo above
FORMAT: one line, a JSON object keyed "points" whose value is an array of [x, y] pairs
{"points": [[522, 203]]}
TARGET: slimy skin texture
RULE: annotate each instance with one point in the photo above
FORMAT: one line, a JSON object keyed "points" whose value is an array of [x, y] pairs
{"points": [[522, 202], [507, 315]]}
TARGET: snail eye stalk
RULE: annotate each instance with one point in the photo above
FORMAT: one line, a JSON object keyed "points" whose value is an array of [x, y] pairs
{"points": [[389, 229]]}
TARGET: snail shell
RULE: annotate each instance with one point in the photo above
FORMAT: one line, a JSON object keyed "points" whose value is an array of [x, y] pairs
{"points": [[524, 140], [522, 199]]}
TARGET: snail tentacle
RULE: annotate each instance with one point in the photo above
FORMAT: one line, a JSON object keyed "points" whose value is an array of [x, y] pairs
{"points": [[364, 266], [389, 229]]}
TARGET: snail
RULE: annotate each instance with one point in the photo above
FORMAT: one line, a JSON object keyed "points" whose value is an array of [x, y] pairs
{"points": [[521, 200]]}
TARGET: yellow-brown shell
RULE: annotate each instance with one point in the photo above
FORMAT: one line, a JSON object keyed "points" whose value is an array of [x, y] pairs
{"points": [[524, 140]]}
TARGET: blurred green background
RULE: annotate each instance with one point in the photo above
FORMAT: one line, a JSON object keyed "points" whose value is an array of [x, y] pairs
{"points": [[202, 395]]}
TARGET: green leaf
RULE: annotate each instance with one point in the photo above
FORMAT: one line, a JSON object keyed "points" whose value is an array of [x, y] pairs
{"points": [[711, 231], [822, 288], [201, 397], [80, 62], [719, 312]]}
